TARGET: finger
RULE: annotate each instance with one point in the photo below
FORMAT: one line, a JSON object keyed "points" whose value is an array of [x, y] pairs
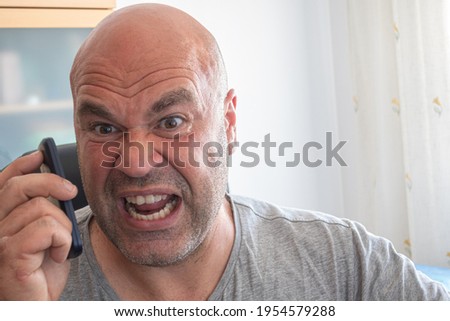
{"points": [[56, 276], [46, 283], [33, 262], [30, 211], [20, 189], [21, 166], [27, 249]]}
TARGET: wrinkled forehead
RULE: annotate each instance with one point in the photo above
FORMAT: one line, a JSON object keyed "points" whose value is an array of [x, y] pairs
{"points": [[129, 83], [135, 67], [132, 56]]}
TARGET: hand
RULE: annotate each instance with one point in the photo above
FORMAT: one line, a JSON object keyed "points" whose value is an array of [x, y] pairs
{"points": [[35, 235]]}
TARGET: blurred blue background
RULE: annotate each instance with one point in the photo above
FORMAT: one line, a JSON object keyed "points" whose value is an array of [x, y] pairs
{"points": [[35, 97]]}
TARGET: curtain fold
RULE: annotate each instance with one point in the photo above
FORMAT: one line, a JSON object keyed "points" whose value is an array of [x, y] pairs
{"points": [[400, 55]]}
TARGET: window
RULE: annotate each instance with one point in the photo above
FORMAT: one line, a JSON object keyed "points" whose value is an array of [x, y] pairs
{"points": [[35, 97]]}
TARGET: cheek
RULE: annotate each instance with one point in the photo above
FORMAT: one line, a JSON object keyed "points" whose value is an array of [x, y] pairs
{"points": [[194, 157], [207, 170], [206, 146]]}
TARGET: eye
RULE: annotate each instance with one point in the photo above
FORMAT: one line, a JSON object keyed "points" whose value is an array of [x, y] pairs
{"points": [[104, 129], [171, 122]]}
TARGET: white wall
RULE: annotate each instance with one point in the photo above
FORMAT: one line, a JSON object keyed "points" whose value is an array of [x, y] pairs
{"points": [[279, 60]]}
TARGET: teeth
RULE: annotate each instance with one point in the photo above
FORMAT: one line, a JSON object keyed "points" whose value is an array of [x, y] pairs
{"points": [[140, 200], [148, 199], [158, 215]]}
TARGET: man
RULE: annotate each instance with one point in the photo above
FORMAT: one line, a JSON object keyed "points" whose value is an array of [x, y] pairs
{"points": [[150, 97]]}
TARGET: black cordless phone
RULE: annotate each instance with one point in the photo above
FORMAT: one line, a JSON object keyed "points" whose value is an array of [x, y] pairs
{"points": [[52, 164]]}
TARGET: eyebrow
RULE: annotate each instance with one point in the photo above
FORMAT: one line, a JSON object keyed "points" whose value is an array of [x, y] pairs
{"points": [[172, 98], [91, 108]]}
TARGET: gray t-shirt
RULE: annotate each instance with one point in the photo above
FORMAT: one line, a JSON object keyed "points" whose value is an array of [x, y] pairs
{"points": [[287, 254]]}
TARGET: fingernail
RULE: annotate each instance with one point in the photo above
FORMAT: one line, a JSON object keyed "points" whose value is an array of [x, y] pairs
{"points": [[35, 153], [68, 185]]}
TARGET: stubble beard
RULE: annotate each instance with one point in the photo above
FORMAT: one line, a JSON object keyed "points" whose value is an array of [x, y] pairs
{"points": [[200, 212]]}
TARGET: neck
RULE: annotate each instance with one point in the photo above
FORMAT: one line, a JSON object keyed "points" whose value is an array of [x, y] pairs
{"points": [[193, 279]]}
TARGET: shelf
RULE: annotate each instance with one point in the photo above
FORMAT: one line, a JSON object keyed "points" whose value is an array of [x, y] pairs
{"points": [[44, 106], [104, 4], [51, 18], [54, 13]]}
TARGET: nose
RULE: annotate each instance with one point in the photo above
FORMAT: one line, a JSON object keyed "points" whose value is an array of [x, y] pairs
{"points": [[138, 155]]}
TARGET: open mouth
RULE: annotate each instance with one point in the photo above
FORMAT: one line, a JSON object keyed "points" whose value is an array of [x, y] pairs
{"points": [[150, 207]]}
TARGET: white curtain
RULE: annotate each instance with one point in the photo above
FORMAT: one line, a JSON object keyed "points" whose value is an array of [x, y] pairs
{"points": [[400, 58]]}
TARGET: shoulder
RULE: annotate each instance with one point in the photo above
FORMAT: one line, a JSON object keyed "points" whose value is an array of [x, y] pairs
{"points": [[256, 210], [291, 254], [262, 222]]}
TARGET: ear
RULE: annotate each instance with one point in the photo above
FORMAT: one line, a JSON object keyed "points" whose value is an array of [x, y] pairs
{"points": [[230, 118]]}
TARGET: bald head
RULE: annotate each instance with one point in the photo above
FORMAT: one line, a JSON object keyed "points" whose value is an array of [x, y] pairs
{"points": [[146, 38], [151, 77]]}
